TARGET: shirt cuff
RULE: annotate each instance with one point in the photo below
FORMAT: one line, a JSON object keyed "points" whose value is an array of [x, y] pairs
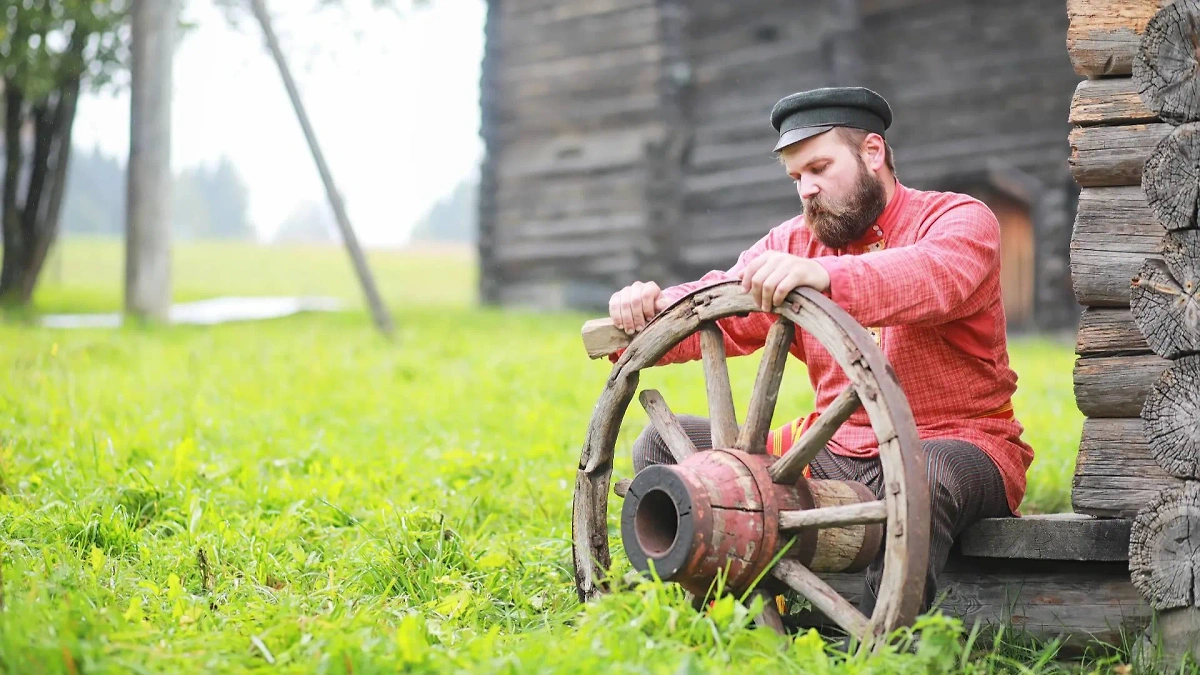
{"points": [[841, 280]]}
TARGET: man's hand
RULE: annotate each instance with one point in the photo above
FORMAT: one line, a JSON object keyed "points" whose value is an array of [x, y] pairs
{"points": [[632, 307], [774, 274]]}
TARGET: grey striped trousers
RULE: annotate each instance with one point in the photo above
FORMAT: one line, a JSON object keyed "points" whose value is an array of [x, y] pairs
{"points": [[965, 486]]}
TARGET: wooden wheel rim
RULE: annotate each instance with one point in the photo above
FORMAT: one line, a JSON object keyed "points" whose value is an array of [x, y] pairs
{"points": [[906, 492]]}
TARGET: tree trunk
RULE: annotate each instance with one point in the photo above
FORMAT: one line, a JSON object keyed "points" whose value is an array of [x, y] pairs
{"points": [[147, 224], [1164, 66]]}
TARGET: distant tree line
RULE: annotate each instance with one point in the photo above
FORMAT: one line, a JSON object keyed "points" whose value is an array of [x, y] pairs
{"points": [[452, 218], [209, 202]]}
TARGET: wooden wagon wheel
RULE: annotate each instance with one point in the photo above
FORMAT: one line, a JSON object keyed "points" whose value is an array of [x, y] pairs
{"points": [[904, 507]]}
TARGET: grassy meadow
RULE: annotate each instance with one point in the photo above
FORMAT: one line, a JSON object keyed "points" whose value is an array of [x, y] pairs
{"points": [[300, 495]]}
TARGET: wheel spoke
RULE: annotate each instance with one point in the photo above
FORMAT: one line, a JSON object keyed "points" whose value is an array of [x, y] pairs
{"points": [[822, 596], [667, 425], [791, 466], [720, 394], [770, 615], [863, 513], [753, 438]]}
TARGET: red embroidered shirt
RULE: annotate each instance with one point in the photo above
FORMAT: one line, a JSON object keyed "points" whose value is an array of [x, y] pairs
{"points": [[926, 282]]}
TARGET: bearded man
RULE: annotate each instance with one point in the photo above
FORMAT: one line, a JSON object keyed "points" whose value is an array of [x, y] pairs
{"points": [[921, 270]]}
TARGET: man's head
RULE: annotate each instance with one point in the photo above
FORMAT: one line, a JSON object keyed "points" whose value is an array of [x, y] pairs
{"points": [[831, 143]]}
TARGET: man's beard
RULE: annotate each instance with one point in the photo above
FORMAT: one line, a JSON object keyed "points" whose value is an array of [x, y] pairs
{"points": [[839, 224]]}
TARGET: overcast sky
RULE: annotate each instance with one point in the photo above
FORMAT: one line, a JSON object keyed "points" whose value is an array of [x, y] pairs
{"points": [[394, 100]]}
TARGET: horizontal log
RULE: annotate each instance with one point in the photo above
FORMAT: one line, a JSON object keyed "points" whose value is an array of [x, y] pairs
{"points": [[1116, 386], [1083, 602], [1103, 156], [1113, 235], [1103, 35], [1115, 473], [1056, 536], [1109, 101], [1108, 331]]}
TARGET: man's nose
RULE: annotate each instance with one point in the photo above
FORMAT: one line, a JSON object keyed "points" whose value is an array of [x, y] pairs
{"points": [[807, 189]]}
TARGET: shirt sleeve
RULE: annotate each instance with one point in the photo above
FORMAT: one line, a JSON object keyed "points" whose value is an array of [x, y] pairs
{"points": [[743, 334], [938, 279]]}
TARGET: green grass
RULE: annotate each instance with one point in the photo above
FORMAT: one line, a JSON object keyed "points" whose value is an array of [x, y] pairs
{"points": [[299, 495]]}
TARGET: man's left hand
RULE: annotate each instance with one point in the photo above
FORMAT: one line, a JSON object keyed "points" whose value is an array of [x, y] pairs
{"points": [[774, 274]]}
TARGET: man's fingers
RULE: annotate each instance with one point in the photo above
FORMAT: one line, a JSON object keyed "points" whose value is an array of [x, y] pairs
{"points": [[756, 282], [649, 295], [788, 284], [752, 268], [771, 286], [627, 319]]}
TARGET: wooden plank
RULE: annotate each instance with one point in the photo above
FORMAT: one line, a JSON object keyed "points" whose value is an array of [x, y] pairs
{"points": [[1114, 233], [601, 337], [1058, 536], [1109, 101], [1105, 331], [1104, 156], [1084, 602], [1115, 473], [1103, 35], [1116, 386]]}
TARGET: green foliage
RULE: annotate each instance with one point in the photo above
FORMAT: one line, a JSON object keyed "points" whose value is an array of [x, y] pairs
{"points": [[299, 495], [45, 43]]}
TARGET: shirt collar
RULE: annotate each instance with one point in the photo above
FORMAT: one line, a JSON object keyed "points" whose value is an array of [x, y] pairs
{"points": [[883, 226]]}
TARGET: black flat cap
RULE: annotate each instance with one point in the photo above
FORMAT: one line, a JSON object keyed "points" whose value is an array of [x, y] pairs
{"points": [[808, 113]]}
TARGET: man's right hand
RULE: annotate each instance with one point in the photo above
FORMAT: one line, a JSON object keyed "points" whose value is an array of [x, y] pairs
{"points": [[632, 307]]}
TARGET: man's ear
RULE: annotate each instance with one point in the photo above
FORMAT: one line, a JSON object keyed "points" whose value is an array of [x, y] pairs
{"points": [[874, 152]]}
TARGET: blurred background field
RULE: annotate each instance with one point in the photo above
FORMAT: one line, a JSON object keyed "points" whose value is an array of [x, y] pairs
{"points": [[86, 274]]}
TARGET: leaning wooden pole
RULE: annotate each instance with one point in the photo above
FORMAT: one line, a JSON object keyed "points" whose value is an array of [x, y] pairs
{"points": [[383, 319], [148, 214]]}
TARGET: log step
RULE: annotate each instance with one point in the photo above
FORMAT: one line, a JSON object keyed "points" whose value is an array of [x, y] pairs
{"points": [[1055, 536]]}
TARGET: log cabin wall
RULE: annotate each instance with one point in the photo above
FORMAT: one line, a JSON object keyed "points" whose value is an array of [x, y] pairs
{"points": [[981, 92], [571, 105]]}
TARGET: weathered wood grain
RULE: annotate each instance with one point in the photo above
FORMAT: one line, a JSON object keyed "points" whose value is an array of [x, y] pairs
{"points": [[1172, 416], [1116, 386], [1083, 602], [716, 382], [790, 467], [1114, 233], [831, 603], [1104, 156], [1165, 63], [1115, 473], [1103, 35], [1171, 179], [1059, 536], [1105, 331], [1164, 549], [1109, 101], [753, 435], [1165, 297], [667, 425], [601, 337]]}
